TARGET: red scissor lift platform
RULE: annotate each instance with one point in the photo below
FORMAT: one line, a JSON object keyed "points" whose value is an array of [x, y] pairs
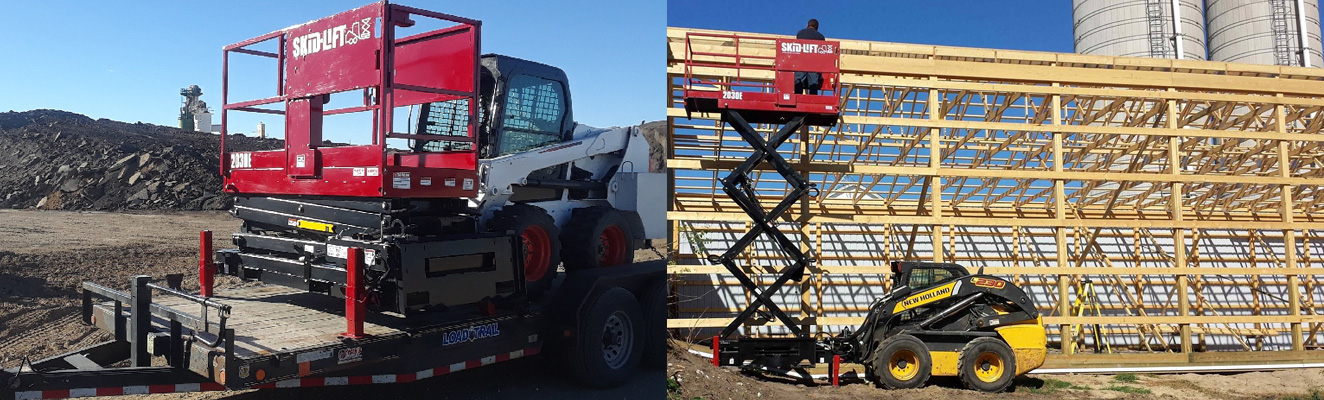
{"points": [[351, 52], [757, 77], [752, 80]]}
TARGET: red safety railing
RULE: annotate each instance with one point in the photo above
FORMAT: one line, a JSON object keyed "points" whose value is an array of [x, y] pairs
{"points": [[757, 73], [359, 51], [721, 60], [743, 62]]}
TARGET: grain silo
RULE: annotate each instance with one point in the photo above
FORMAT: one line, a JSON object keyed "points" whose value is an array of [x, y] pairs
{"points": [[1264, 31], [1140, 28]]}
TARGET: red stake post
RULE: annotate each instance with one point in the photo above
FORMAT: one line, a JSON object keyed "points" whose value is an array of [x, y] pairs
{"points": [[354, 310], [205, 267], [836, 370], [717, 360]]}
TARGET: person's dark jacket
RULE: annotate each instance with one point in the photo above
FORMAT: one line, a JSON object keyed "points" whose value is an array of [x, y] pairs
{"points": [[808, 82], [810, 34]]}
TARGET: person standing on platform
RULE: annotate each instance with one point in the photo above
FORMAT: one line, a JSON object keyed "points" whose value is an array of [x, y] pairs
{"points": [[808, 82]]}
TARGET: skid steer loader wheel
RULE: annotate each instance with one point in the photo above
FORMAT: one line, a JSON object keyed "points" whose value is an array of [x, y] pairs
{"points": [[605, 351], [542, 242], [902, 362], [987, 364], [596, 237]]}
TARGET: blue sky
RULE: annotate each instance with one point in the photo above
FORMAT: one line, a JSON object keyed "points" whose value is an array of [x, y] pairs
{"points": [[127, 62], [1043, 25]]}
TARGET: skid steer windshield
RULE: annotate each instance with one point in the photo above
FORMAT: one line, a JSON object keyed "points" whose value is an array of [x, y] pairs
{"points": [[534, 109]]}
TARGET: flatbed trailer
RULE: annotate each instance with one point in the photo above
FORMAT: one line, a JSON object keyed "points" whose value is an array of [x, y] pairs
{"points": [[259, 336]]}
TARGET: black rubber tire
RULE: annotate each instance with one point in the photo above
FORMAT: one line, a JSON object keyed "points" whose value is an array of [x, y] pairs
{"points": [[589, 359], [968, 362], [896, 345], [518, 218], [654, 305], [583, 238]]}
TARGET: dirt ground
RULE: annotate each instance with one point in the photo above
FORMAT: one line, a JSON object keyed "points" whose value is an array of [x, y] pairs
{"points": [[693, 377], [46, 255]]}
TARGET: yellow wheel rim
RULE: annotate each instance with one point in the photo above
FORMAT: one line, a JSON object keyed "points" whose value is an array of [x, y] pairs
{"points": [[988, 367], [903, 365]]}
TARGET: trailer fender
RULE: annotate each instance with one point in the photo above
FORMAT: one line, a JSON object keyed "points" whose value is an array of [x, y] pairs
{"points": [[571, 301]]}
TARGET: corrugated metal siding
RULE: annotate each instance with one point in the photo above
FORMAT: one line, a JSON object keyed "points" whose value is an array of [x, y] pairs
{"points": [[1122, 27], [1242, 31]]}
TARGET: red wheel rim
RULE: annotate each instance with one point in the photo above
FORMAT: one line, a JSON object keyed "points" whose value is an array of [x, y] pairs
{"points": [[613, 250], [537, 252]]}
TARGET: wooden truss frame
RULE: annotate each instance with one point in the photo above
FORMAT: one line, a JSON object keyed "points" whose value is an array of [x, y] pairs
{"points": [[957, 144]]}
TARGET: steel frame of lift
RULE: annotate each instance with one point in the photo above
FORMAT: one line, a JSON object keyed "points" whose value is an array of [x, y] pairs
{"points": [[754, 99]]}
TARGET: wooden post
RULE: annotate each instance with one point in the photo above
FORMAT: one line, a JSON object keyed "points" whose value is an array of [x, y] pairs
{"points": [[807, 312], [1178, 234], [935, 164], [1289, 234], [818, 275], [1060, 213], [1064, 291], [673, 228]]}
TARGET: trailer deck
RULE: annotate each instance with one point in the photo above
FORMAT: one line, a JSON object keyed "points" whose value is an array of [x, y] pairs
{"points": [[269, 319], [260, 335], [257, 335]]}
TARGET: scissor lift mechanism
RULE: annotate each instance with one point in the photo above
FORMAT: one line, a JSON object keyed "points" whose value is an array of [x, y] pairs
{"points": [[752, 99]]}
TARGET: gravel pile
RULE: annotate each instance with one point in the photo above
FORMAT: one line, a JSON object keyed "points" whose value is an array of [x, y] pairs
{"points": [[57, 160]]}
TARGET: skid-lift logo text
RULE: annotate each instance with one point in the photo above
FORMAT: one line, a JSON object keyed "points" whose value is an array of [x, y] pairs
{"points": [[331, 38], [808, 48]]}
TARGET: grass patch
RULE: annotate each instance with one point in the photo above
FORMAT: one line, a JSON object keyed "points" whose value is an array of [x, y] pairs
{"points": [[673, 389], [1053, 385], [1128, 389], [1126, 377]]}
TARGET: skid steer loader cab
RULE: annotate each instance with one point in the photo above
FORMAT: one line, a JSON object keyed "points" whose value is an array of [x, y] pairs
{"points": [[920, 276], [523, 105]]}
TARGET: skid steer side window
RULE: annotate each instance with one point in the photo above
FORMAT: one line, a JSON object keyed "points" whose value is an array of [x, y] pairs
{"points": [[923, 278], [534, 109], [445, 118]]}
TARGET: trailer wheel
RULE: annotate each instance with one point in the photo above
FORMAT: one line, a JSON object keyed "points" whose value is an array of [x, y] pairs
{"points": [[986, 364], [605, 350], [654, 303], [902, 362], [541, 240], [596, 237]]}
